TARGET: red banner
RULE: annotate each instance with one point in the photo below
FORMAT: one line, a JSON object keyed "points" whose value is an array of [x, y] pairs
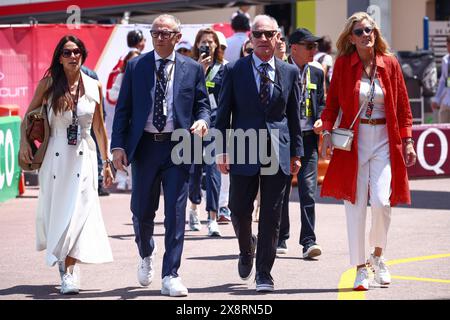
{"points": [[432, 143], [26, 53]]}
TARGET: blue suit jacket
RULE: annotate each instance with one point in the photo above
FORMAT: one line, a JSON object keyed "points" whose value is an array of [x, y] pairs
{"points": [[239, 103], [190, 99]]}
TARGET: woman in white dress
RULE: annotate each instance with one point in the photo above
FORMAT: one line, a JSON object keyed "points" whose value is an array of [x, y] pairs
{"points": [[69, 223]]}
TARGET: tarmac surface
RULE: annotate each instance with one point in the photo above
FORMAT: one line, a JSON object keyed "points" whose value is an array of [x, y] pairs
{"points": [[418, 253]]}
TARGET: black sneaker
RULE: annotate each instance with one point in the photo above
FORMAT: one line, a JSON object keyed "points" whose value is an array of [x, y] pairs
{"points": [[312, 251], [245, 264], [264, 283], [282, 247]]}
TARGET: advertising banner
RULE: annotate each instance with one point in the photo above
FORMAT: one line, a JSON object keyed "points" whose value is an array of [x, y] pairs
{"points": [[9, 149]]}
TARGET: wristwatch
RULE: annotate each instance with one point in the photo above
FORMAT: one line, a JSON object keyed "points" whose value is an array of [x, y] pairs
{"points": [[409, 141], [107, 161]]}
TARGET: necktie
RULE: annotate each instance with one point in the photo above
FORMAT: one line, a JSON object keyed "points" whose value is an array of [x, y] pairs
{"points": [[159, 118], [264, 85]]}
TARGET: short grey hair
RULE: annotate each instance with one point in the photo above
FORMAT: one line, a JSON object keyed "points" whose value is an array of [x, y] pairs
{"points": [[264, 17], [169, 17]]}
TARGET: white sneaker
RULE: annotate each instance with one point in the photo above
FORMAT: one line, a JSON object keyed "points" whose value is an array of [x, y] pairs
{"points": [[213, 229], [382, 274], [145, 270], [362, 280], [69, 284], [194, 221], [172, 286]]}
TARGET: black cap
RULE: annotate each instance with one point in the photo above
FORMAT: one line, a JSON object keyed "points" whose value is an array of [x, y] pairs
{"points": [[302, 34]]}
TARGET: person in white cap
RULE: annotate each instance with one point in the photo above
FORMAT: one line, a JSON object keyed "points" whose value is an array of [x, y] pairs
{"points": [[184, 48], [223, 46]]}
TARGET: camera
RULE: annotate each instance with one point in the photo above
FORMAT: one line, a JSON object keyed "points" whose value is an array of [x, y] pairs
{"points": [[72, 134], [205, 50]]}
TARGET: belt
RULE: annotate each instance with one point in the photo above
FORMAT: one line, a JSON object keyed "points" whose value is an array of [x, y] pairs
{"points": [[159, 137], [373, 122], [307, 133]]}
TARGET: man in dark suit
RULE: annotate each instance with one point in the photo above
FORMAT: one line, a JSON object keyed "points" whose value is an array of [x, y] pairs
{"points": [[259, 93], [162, 91], [303, 44]]}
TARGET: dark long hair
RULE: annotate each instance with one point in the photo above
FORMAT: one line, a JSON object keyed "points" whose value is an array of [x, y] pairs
{"points": [[59, 87]]}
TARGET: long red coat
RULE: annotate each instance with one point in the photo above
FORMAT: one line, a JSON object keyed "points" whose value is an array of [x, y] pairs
{"points": [[340, 179]]}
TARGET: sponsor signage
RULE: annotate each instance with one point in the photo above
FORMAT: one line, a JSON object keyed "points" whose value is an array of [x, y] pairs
{"points": [[9, 149]]}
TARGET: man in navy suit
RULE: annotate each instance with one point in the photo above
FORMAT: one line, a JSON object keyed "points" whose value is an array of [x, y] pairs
{"points": [[260, 93], [162, 91], [303, 44]]}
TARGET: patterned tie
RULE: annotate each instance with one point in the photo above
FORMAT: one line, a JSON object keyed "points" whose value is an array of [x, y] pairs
{"points": [[159, 119], [264, 85]]}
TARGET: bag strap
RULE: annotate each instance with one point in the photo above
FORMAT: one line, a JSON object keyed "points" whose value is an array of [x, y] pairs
{"points": [[372, 83]]}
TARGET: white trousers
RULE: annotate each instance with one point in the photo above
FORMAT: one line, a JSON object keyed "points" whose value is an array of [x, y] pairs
{"points": [[374, 179], [224, 190]]}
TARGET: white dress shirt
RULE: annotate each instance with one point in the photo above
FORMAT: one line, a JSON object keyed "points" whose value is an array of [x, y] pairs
{"points": [[169, 67]]}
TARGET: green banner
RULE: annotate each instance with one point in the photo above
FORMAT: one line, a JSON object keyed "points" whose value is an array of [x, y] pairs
{"points": [[9, 150]]}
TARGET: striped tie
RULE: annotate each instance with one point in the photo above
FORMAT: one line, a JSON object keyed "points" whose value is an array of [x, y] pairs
{"points": [[264, 85]]}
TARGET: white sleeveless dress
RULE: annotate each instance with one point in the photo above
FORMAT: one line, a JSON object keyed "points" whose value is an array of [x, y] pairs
{"points": [[69, 219]]}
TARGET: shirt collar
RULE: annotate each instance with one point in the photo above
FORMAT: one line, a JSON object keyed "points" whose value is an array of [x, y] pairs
{"points": [[258, 61], [171, 56]]}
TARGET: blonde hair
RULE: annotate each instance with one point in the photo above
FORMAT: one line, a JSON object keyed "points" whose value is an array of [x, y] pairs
{"points": [[343, 45]]}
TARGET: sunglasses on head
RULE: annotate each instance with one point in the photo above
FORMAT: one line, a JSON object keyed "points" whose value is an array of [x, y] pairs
{"points": [[248, 50], [309, 45], [67, 53], [164, 34], [268, 34], [359, 32]]}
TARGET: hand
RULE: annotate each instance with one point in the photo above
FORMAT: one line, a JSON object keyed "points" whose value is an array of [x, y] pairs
{"points": [[295, 165], [410, 154], [25, 153], [434, 106], [327, 145], [317, 126], [205, 61], [223, 163], [199, 128], [120, 160], [108, 177]]}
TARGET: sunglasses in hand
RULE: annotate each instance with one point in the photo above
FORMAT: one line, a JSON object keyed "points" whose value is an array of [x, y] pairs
{"points": [[269, 34], [67, 53], [359, 32]]}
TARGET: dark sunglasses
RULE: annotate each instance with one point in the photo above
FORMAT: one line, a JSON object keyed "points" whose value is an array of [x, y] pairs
{"points": [[248, 50], [164, 34], [359, 32], [309, 45], [268, 34], [67, 53]]}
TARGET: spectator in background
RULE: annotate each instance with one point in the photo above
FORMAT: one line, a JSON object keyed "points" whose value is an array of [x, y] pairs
{"points": [[136, 40], [243, 9], [241, 26], [247, 49], [280, 49], [323, 56], [221, 49], [184, 48], [441, 101]]}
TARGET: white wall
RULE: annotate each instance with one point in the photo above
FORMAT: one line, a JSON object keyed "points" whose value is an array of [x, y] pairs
{"points": [[330, 18]]}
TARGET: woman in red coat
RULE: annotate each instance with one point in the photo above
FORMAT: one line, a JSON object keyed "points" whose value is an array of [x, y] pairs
{"points": [[367, 77]]}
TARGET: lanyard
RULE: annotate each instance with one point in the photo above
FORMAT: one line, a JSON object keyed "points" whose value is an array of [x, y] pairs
{"points": [[212, 72], [169, 77], [75, 102]]}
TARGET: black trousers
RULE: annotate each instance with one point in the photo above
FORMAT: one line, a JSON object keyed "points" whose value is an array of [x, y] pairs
{"points": [[243, 191]]}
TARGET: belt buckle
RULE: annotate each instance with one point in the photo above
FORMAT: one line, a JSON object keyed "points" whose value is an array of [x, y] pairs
{"points": [[372, 122], [158, 137]]}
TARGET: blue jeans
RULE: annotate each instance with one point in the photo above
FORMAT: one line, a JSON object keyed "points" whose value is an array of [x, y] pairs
{"points": [[212, 181], [307, 186]]}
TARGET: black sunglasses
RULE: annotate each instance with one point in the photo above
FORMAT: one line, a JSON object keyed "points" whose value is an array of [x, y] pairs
{"points": [[164, 34], [268, 34], [248, 50], [67, 53], [359, 32], [309, 45]]}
